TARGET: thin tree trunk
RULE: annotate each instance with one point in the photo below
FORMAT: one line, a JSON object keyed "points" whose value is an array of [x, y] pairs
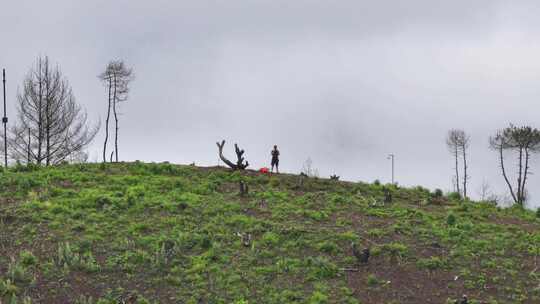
{"points": [[47, 115], [107, 123], [522, 191], [504, 174], [464, 172], [115, 120], [28, 161], [40, 116], [520, 172], [48, 135], [457, 169]]}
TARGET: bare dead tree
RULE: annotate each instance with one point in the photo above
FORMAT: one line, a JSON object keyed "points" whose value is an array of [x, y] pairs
{"points": [[452, 142], [116, 77], [308, 169], [51, 126], [107, 78], [484, 191], [457, 142], [464, 140], [79, 157], [524, 141], [240, 164], [499, 144], [244, 188]]}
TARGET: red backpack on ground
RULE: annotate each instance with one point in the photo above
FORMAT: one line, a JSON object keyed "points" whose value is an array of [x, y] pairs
{"points": [[264, 170]]}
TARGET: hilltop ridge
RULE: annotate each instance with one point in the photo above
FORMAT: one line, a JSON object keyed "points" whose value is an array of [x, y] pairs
{"points": [[164, 233]]}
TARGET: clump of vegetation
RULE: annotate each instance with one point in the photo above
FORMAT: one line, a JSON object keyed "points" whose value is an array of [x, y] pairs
{"points": [[432, 263], [18, 273], [372, 280], [28, 259], [451, 219], [8, 291], [454, 196], [68, 258], [438, 193]]}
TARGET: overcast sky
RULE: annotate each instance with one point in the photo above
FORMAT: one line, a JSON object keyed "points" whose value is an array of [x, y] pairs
{"points": [[343, 82]]}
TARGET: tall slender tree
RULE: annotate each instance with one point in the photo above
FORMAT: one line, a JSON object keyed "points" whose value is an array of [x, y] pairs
{"points": [[452, 142], [457, 142], [523, 141], [107, 78], [116, 77], [464, 146]]}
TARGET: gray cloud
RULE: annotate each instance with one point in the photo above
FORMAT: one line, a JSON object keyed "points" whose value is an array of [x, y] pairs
{"points": [[344, 82]]}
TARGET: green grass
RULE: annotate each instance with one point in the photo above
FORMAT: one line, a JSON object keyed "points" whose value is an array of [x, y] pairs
{"points": [[162, 233]]}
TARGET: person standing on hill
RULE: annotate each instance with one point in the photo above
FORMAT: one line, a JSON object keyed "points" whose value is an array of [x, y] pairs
{"points": [[275, 159]]}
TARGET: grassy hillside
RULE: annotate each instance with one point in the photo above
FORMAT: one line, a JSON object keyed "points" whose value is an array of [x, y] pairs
{"points": [[161, 233]]}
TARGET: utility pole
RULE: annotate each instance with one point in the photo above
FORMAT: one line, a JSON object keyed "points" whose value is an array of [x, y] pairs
{"points": [[391, 157], [5, 119]]}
